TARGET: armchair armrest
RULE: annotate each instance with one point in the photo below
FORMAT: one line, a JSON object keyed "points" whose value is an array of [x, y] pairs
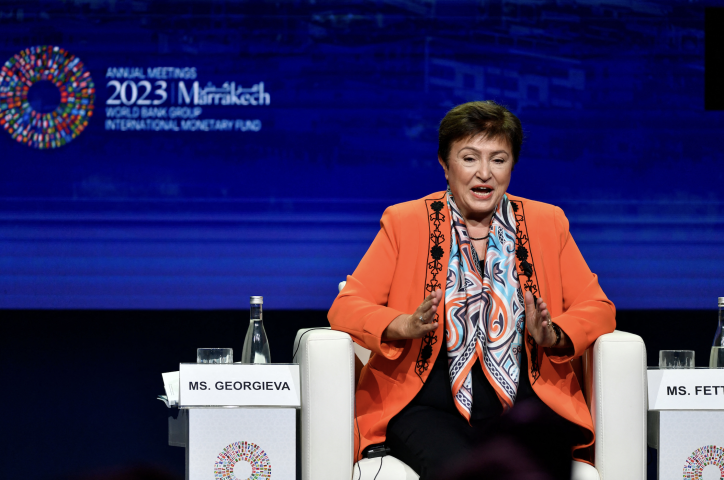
{"points": [[615, 384], [326, 359]]}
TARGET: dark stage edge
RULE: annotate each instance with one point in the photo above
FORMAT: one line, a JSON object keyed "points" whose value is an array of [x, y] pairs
{"points": [[80, 385]]}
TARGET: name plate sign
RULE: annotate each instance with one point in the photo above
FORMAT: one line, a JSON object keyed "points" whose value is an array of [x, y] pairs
{"points": [[237, 384], [686, 389]]}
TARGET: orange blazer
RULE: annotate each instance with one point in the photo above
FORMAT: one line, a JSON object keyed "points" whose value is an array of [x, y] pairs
{"points": [[409, 258]]}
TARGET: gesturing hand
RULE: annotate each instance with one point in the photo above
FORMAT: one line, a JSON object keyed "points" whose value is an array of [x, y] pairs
{"points": [[418, 324], [538, 322]]}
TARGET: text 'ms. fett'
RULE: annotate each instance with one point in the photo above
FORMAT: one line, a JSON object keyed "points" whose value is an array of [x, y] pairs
{"points": [[698, 390]]}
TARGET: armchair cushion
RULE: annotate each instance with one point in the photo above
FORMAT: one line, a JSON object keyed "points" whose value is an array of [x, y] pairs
{"points": [[615, 372], [326, 361]]}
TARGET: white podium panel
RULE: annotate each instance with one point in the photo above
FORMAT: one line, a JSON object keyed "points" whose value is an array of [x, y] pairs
{"points": [[691, 444], [241, 443]]}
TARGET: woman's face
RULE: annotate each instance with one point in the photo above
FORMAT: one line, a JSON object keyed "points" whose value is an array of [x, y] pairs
{"points": [[478, 172]]}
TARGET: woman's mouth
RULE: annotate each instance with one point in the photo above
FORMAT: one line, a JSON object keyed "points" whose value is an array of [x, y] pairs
{"points": [[482, 192]]}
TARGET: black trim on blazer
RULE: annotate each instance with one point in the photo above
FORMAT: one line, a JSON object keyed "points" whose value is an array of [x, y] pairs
{"points": [[527, 269], [435, 218]]}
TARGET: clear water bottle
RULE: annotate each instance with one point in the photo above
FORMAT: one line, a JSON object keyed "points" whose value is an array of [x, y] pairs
{"points": [[256, 345], [716, 359]]}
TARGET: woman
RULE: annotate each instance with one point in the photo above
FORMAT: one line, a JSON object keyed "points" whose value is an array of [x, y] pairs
{"points": [[471, 301]]}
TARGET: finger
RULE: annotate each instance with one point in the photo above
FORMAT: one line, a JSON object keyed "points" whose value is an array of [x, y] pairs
{"points": [[429, 315], [531, 311], [428, 312], [419, 315], [546, 321], [424, 307], [427, 302], [431, 302], [529, 302], [419, 318], [438, 295], [544, 314], [430, 327]]}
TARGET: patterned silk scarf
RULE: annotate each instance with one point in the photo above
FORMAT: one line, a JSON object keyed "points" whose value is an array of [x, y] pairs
{"points": [[484, 314]]}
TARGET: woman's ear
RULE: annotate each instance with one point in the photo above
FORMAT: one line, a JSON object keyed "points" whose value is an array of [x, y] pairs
{"points": [[444, 166]]}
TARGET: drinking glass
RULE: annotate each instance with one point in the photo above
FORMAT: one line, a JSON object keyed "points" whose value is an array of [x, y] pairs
{"points": [[676, 359], [214, 355]]}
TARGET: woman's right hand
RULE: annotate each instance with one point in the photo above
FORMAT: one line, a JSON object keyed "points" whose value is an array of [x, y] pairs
{"points": [[418, 324]]}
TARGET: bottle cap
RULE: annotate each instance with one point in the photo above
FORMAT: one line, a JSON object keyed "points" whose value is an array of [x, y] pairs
{"points": [[257, 300], [721, 301]]}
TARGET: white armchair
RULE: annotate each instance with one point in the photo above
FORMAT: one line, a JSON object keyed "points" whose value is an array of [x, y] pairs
{"points": [[614, 373]]}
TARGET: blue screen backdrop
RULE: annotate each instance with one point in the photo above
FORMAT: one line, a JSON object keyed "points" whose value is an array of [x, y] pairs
{"points": [[248, 148]]}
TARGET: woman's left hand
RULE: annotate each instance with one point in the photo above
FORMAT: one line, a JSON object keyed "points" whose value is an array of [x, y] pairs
{"points": [[540, 325]]}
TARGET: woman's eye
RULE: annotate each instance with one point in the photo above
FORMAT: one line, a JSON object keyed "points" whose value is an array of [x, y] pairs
{"points": [[469, 159], [499, 160]]}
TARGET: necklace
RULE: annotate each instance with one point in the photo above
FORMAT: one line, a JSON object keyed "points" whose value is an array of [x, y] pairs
{"points": [[481, 238]]}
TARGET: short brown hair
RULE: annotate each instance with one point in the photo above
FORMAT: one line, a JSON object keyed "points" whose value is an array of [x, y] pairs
{"points": [[473, 118]]}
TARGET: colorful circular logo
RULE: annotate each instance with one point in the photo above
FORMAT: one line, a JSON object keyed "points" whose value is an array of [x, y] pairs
{"points": [[46, 97], [702, 458], [238, 452]]}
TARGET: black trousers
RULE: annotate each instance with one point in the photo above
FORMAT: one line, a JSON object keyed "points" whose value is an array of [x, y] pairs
{"points": [[435, 440]]}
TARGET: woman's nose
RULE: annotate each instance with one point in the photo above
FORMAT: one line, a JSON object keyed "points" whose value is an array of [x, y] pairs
{"points": [[484, 170]]}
